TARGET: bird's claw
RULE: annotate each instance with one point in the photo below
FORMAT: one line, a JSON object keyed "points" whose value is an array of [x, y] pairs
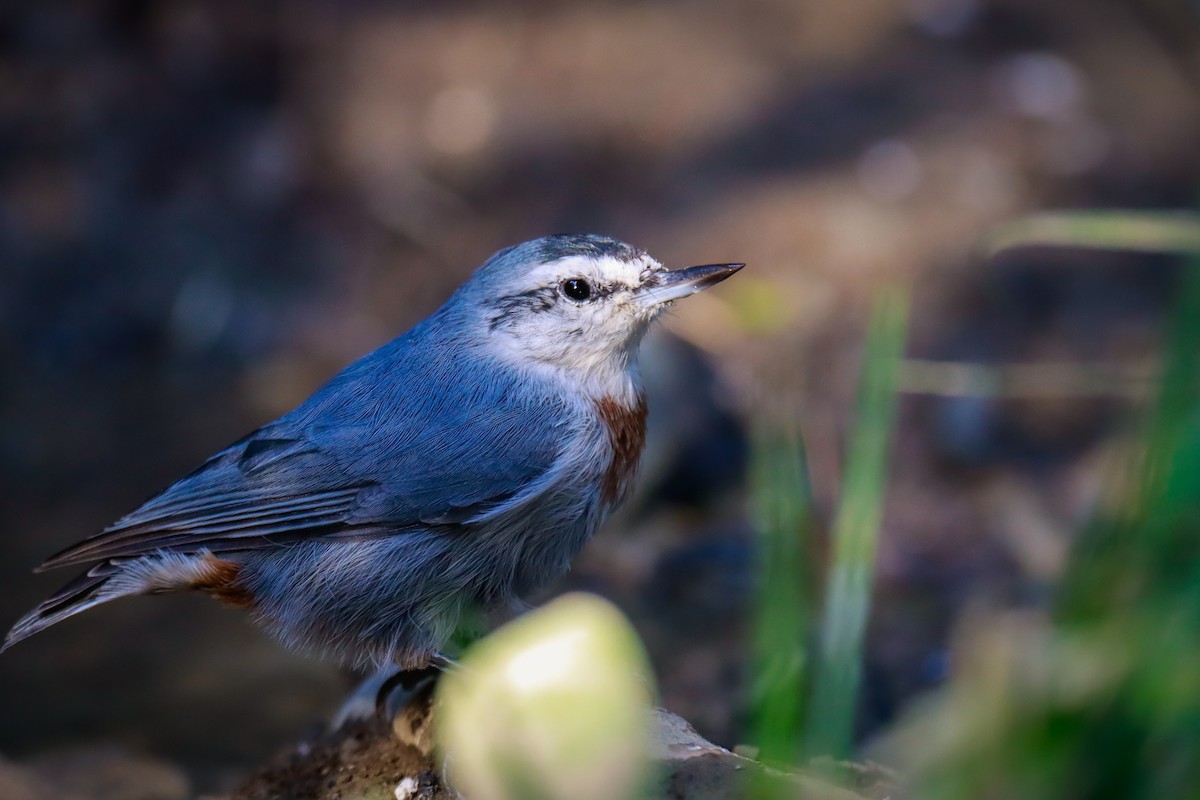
{"points": [[392, 692]]}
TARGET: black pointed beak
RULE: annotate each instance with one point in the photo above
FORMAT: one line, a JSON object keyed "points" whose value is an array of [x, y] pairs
{"points": [[678, 283]]}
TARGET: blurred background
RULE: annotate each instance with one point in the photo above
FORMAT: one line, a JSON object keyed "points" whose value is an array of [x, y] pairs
{"points": [[208, 208]]}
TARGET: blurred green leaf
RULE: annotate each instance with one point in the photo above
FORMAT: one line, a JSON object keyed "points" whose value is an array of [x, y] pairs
{"points": [[848, 594], [553, 706], [1152, 538], [781, 504], [1142, 231]]}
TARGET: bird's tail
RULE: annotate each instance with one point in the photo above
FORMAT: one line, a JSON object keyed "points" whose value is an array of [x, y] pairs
{"points": [[90, 589]]}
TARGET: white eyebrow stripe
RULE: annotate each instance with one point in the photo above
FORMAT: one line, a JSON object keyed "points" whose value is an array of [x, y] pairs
{"points": [[603, 271]]}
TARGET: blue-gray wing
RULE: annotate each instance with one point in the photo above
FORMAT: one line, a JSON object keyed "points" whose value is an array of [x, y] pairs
{"points": [[360, 459]]}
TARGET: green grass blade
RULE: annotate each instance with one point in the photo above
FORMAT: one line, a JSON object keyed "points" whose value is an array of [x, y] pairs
{"points": [[829, 725], [1112, 561], [1137, 231], [781, 495], [1180, 390]]}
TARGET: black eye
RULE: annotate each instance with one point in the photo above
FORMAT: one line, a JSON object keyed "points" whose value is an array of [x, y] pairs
{"points": [[577, 289]]}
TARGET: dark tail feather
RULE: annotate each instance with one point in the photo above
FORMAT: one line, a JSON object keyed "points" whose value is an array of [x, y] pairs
{"points": [[79, 595]]}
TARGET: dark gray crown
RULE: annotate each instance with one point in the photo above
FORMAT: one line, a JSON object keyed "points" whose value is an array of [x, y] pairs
{"points": [[563, 245]]}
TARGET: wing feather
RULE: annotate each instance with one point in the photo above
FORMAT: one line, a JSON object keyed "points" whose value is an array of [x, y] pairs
{"points": [[201, 527], [363, 457]]}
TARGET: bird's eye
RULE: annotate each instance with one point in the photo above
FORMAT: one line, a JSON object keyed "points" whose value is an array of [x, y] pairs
{"points": [[576, 289]]}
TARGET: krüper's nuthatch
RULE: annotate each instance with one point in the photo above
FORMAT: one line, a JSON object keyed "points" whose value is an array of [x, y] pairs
{"points": [[460, 466]]}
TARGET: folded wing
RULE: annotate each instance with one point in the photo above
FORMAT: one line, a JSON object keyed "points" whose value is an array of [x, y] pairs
{"points": [[292, 481]]}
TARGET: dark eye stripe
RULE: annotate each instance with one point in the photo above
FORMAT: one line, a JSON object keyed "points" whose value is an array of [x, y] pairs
{"points": [[509, 308]]}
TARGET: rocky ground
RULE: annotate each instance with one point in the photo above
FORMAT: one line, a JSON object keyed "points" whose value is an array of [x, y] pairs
{"points": [[374, 758], [378, 759]]}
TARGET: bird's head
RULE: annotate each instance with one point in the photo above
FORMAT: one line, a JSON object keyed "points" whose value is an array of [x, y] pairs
{"points": [[577, 302]]}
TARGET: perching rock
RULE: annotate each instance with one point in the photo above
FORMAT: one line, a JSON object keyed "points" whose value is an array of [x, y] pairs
{"points": [[370, 760]]}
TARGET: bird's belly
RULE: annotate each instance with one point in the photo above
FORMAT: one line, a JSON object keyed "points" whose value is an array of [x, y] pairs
{"points": [[398, 599], [526, 555]]}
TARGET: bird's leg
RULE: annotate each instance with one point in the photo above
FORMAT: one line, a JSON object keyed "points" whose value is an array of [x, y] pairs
{"points": [[376, 693], [403, 681], [362, 703], [406, 700], [409, 680]]}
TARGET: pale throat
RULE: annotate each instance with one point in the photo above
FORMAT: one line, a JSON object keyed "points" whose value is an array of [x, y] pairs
{"points": [[614, 379], [595, 373]]}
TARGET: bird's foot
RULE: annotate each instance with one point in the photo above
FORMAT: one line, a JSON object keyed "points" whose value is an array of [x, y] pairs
{"points": [[403, 696]]}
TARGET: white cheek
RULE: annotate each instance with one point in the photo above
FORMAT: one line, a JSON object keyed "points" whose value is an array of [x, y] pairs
{"points": [[590, 350]]}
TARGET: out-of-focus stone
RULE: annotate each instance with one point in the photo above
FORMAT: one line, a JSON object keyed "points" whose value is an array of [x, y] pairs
{"points": [[111, 773], [20, 783], [92, 773]]}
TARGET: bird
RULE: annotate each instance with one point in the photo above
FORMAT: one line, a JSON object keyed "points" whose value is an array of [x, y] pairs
{"points": [[456, 469]]}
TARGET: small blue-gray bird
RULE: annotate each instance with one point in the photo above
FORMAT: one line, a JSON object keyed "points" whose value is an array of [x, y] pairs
{"points": [[460, 466]]}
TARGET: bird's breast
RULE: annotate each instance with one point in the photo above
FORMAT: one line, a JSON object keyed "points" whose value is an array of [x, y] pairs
{"points": [[625, 426]]}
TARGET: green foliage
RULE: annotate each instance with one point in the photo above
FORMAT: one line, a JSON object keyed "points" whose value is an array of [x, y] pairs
{"points": [[855, 531], [782, 505], [795, 715], [1150, 548], [1101, 698]]}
